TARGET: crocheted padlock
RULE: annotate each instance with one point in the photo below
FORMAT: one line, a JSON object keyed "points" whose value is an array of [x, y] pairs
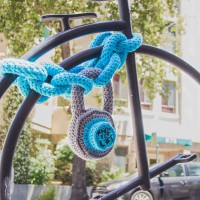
{"points": [[91, 133]]}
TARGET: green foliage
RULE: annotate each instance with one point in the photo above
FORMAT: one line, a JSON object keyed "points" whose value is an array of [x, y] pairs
{"points": [[20, 23], [63, 152], [92, 177], [48, 195], [95, 176], [62, 102], [63, 162], [11, 102], [20, 20], [110, 175], [42, 166], [153, 19], [22, 156]]}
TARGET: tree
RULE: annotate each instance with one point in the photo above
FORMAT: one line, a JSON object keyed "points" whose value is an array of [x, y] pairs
{"points": [[151, 19], [11, 102], [63, 162], [21, 25]]}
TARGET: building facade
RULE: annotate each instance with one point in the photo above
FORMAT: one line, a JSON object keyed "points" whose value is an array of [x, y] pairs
{"points": [[171, 122]]}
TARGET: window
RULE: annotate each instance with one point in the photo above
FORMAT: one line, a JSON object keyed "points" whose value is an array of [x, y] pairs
{"points": [[169, 97], [120, 92], [144, 99], [194, 169], [175, 171], [169, 35], [170, 42]]}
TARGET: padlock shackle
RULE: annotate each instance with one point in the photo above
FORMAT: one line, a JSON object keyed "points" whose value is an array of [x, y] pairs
{"points": [[77, 94]]}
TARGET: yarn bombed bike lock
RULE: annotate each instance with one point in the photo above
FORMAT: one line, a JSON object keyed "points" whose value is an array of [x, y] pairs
{"points": [[92, 133], [95, 122]]}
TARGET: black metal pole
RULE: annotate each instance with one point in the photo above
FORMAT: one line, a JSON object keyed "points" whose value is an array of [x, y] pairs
{"points": [[144, 49], [135, 182], [132, 76], [59, 39], [142, 163], [71, 34], [5, 83], [170, 58], [11, 141], [69, 63], [83, 56]]}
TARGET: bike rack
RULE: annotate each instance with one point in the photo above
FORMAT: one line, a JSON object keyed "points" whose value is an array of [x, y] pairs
{"points": [[123, 25]]}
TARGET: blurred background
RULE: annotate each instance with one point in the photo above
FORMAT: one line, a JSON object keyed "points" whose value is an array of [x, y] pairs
{"points": [[170, 99]]}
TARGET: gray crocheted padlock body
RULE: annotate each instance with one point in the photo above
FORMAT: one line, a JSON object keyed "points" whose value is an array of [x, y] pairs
{"points": [[91, 133]]}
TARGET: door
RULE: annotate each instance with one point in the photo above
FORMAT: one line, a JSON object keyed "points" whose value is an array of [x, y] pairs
{"points": [[175, 183]]}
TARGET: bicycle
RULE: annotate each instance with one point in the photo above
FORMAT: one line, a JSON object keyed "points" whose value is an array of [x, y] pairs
{"points": [[122, 25]]}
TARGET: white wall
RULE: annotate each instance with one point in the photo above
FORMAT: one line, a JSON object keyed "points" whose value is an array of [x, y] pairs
{"points": [[186, 123], [191, 53]]}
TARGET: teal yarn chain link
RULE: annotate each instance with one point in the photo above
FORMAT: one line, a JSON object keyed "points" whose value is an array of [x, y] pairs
{"points": [[32, 75]]}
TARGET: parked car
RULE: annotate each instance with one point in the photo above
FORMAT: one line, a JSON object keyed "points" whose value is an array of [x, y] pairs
{"points": [[179, 182]]}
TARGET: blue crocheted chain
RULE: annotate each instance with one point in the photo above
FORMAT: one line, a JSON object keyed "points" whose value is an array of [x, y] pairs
{"points": [[33, 75]]}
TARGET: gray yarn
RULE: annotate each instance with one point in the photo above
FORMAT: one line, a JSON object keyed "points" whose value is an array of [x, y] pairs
{"points": [[77, 95], [82, 116]]}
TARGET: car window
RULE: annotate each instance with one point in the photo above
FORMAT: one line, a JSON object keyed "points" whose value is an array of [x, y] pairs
{"points": [[194, 169], [175, 171]]}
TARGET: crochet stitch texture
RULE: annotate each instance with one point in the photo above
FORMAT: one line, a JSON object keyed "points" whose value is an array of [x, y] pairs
{"points": [[92, 134], [33, 75]]}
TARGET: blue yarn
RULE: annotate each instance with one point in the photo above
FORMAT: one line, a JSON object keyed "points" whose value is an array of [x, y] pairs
{"points": [[77, 69], [102, 136], [99, 135], [23, 68], [33, 75], [53, 70], [106, 75]]}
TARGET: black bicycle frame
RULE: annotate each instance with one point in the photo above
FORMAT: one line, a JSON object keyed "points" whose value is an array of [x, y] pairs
{"points": [[124, 25]]}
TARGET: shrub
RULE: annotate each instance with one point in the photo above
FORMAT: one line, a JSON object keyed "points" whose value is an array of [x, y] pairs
{"points": [[109, 175], [11, 103], [94, 176], [63, 152], [48, 195], [63, 162], [42, 166]]}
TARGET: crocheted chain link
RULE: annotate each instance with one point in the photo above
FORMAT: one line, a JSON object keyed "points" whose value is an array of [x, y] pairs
{"points": [[33, 75]]}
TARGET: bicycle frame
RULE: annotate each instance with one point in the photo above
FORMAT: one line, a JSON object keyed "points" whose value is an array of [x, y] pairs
{"points": [[124, 25]]}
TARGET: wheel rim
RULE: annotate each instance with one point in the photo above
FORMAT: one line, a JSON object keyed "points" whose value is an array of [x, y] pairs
{"points": [[142, 196]]}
